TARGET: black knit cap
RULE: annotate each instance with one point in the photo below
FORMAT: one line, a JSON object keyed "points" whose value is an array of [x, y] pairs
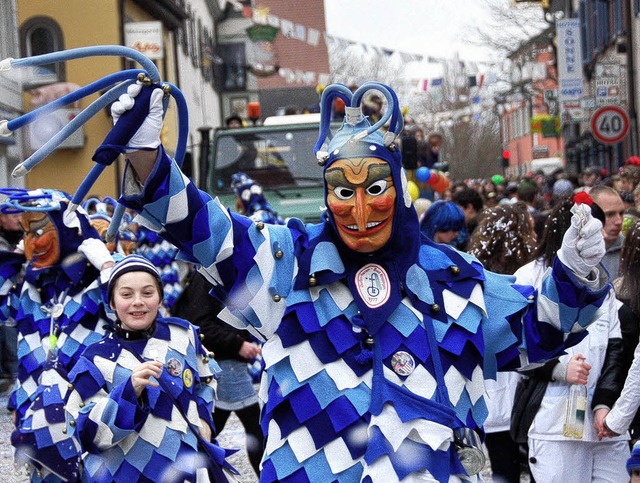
{"points": [[133, 263]]}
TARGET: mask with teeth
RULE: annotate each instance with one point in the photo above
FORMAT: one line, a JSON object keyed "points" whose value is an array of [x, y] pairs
{"points": [[51, 231], [369, 207]]}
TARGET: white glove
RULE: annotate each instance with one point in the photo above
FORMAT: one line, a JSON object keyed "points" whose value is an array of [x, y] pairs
{"points": [[95, 252], [140, 112], [148, 135], [583, 243]]}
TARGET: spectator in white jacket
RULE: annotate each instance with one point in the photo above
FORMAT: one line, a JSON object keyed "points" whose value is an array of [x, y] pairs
{"points": [[596, 362], [503, 241], [624, 414]]}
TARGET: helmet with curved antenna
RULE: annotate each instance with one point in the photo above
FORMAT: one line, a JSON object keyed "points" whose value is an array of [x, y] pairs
{"points": [[355, 126]]}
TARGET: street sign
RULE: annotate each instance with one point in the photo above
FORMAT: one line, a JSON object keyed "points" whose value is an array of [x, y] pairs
{"points": [[608, 84], [610, 124]]}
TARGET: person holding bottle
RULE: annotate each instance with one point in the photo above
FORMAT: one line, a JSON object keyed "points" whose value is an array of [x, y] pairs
{"points": [[503, 241], [560, 450]]}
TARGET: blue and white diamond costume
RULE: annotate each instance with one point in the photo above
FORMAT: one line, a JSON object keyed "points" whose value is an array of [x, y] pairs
{"points": [[130, 440], [58, 312], [372, 360]]}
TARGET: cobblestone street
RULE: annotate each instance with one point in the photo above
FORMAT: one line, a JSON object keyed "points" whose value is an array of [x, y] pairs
{"points": [[231, 437]]}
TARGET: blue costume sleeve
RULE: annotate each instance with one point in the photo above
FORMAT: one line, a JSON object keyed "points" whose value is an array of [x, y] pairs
{"points": [[251, 285], [553, 318], [119, 410]]}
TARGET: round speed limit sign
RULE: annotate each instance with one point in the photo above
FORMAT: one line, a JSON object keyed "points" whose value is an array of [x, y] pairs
{"points": [[610, 124]]}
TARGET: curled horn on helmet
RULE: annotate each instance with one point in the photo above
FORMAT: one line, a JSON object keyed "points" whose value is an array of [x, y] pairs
{"points": [[392, 112], [19, 200], [355, 126], [359, 127], [396, 123], [329, 94]]}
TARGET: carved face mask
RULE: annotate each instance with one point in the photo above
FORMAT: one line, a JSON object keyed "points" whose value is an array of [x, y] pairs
{"points": [[361, 195], [41, 240], [369, 207]]}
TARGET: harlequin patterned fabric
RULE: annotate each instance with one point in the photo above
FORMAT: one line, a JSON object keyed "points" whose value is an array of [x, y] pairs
{"points": [[44, 360], [148, 440], [347, 399]]}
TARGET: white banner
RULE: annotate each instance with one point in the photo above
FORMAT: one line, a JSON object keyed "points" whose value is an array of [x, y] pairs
{"points": [[145, 37], [569, 59]]}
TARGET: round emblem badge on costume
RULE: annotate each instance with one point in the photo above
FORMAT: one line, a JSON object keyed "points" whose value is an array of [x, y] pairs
{"points": [[372, 283], [174, 367], [403, 363], [187, 378]]}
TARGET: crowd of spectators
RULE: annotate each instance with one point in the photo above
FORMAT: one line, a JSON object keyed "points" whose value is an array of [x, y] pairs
{"points": [[515, 225]]}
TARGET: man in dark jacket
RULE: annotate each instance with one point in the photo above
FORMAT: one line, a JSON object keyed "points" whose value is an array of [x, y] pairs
{"points": [[233, 350]]}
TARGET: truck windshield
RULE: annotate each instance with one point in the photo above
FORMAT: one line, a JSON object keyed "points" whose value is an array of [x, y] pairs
{"points": [[276, 157]]}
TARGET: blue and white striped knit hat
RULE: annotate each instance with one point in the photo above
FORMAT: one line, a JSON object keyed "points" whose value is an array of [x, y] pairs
{"points": [[132, 263]]}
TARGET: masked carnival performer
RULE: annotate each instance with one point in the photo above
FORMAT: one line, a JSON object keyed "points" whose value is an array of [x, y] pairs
{"points": [[378, 341], [58, 312], [100, 214]]}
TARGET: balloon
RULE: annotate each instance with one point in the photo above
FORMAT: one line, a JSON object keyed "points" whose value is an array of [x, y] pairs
{"points": [[442, 185], [497, 179], [423, 174], [439, 181], [413, 189]]}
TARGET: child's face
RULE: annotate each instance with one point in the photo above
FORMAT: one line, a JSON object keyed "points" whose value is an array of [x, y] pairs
{"points": [[136, 300]]}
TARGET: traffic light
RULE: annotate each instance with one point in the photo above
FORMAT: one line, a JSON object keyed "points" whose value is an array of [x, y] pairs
{"points": [[505, 158]]}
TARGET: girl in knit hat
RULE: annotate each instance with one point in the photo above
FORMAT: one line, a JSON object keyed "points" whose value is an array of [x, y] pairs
{"points": [[152, 381]]}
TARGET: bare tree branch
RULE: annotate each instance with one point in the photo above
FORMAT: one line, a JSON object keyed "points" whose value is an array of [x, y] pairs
{"points": [[508, 27]]}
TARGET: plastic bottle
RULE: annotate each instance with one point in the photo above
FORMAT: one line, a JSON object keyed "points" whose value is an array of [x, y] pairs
{"points": [[576, 409]]}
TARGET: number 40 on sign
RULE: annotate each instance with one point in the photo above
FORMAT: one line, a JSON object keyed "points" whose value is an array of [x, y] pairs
{"points": [[610, 124]]}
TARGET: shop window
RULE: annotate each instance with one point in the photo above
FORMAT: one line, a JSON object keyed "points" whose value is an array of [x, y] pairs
{"points": [[42, 35]]}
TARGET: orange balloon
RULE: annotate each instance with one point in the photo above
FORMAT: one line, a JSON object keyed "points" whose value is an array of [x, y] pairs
{"points": [[438, 181]]}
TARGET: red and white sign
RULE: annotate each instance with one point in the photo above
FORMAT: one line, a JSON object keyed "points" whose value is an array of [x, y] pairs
{"points": [[610, 124], [145, 37]]}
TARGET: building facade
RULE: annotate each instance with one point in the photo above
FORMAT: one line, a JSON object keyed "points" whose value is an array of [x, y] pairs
{"points": [[10, 95], [272, 52], [528, 111], [51, 26]]}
